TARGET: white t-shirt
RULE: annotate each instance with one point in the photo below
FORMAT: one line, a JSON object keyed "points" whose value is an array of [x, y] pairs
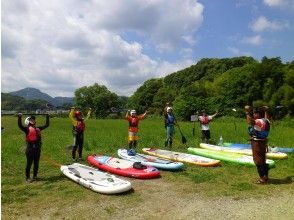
{"points": [[205, 127]]}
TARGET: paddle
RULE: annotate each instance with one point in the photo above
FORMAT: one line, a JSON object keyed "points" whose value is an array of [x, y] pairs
{"points": [[184, 140], [234, 110]]}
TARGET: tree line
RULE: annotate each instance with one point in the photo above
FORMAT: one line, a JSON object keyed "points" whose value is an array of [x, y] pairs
{"points": [[211, 84]]}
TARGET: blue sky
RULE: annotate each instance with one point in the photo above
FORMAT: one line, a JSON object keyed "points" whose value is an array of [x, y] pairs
{"points": [[60, 46]]}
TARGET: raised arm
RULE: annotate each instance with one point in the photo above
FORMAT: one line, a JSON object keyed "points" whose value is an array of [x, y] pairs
{"points": [[215, 114], [19, 122], [88, 114], [46, 124], [127, 114], [249, 115], [71, 116]]}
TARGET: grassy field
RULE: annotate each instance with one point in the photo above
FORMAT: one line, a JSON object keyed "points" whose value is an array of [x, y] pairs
{"points": [[54, 195]]}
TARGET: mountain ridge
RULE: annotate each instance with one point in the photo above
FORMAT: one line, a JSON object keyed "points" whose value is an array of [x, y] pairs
{"points": [[31, 93]]}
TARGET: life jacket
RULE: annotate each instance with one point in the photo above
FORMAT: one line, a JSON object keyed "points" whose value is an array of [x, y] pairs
{"points": [[34, 134], [204, 120], [133, 122], [261, 129], [169, 120], [80, 127]]}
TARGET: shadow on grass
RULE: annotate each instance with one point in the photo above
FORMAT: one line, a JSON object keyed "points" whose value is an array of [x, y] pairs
{"points": [[131, 191], [286, 180], [51, 179]]}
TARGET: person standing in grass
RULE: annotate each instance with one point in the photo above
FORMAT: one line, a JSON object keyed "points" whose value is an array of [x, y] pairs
{"points": [[259, 127], [79, 127], [204, 120], [169, 122], [33, 141], [133, 119]]}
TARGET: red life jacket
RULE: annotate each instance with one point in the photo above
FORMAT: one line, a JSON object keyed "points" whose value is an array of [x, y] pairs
{"points": [[80, 126], [133, 122], [33, 135], [204, 120]]}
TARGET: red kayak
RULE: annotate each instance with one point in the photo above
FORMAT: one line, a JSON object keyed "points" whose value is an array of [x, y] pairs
{"points": [[123, 167]]}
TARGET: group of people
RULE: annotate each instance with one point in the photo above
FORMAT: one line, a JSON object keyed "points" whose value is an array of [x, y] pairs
{"points": [[170, 122], [257, 119]]}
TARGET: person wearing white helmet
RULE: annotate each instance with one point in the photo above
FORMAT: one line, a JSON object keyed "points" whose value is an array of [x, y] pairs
{"points": [[169, 122], [33, 140], [133, 119]]}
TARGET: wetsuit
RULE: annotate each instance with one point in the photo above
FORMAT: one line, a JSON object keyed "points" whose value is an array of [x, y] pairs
{"points": [[78, 133], [33, 149]]}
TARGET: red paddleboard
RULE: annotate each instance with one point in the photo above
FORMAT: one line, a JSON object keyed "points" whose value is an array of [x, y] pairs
{"points": [[122, 167]]}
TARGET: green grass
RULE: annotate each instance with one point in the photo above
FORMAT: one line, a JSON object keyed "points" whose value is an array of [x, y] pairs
{"points": [[106, 136]]}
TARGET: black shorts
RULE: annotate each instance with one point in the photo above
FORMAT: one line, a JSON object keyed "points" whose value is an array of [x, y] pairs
{"points": [[205, 134]]}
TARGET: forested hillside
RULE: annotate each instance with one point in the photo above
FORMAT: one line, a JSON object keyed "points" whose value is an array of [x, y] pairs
{"points": [[220, 85], [211, 84]]}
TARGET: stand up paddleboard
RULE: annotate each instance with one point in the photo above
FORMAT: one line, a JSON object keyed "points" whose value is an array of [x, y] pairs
{"points": [[149, 160], [123, 167], [227, 156], [271, 155], [182, 157], [94, 179], [271, 149]]}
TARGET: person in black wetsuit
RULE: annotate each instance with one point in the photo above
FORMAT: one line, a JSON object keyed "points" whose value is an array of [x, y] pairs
{"points": [[33, 140], [79, 127]]}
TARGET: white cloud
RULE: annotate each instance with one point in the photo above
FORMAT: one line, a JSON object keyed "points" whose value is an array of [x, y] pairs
{"points": [[59, 46], [237, 52], [262, 24], [254, 40], [279, 3]]}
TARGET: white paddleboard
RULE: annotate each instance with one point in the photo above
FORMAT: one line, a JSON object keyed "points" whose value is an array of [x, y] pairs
{"points": [[94, 179], [150, 160]]}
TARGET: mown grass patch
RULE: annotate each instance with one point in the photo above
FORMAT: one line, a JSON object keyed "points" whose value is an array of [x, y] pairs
{"points": [[106, 137]]}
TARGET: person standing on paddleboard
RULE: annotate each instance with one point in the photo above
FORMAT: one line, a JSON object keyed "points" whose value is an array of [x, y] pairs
{"points": [[133, 119], [204, 120], [79, 127], [169, 122], [33, 140], [259, 127]]}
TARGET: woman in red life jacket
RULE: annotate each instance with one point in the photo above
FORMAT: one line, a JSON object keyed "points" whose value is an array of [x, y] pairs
{"points": [[78, 129], [259, 127], [33, 140], [204, 120], [133, 120]]}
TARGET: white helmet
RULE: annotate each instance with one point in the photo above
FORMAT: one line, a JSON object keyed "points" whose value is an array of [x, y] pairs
{"points": [[169, 109], [133, 112], [27, 121]]}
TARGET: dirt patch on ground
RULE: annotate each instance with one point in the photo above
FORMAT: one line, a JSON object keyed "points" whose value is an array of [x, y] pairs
{"points": [[161, 199]]}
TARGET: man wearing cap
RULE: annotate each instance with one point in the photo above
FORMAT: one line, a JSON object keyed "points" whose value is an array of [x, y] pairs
{"points": [[133, 119], [78, 129], [169, 122], [33, 140], [259, 127], [204, 120]]}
